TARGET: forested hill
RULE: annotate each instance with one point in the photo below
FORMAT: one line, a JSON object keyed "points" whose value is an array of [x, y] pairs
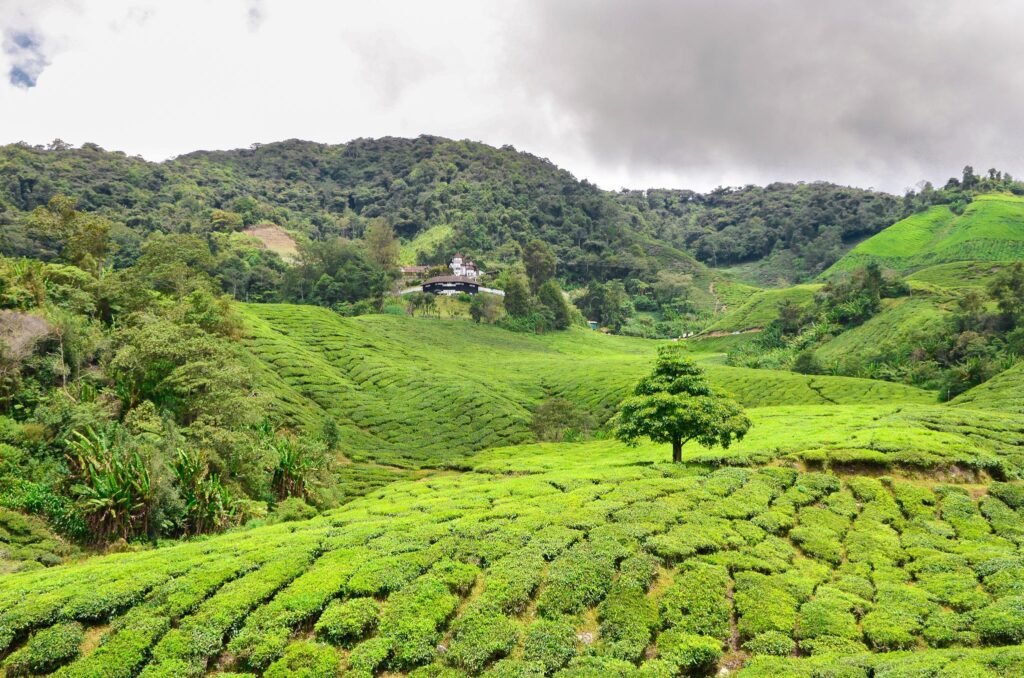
{"points": [[487, 200], [451, 195], [779, 234]]}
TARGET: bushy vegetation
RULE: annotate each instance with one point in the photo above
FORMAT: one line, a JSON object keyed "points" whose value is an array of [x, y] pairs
{"points": [[488, 571], [441, 498]]}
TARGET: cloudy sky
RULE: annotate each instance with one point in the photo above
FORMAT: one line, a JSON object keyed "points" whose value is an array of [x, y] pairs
{"points": [[637, 93]]}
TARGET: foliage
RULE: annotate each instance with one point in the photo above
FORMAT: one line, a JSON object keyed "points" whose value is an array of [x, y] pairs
{"points": [[676, 404]]}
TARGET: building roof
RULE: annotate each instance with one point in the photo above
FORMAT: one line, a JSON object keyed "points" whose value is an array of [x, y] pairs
{"points": [[451, 279], [414, 269]]}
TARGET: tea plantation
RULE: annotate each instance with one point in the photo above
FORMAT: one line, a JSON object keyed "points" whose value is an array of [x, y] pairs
{"points": [[990, 229], [570, 560], [860, 530], [416, 392]]}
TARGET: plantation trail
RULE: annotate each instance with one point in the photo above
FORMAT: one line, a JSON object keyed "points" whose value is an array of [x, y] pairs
{"points": [[719, 306]]}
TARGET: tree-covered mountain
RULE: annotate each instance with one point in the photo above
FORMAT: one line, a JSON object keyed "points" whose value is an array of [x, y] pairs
{"points": [[494, 200], [488, 201], [779, 233]]}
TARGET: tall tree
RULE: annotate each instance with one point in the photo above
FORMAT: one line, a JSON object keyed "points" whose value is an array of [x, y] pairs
{"points": [[540, 263], [517, 297], [65, 233], [382, 245], [675, 404], [1007, 290], [550, 294]]}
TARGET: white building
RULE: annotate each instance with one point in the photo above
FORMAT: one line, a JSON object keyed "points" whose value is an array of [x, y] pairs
{"points": [[464, 268]]}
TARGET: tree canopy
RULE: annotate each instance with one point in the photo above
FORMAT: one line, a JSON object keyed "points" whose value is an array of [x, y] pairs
{"points": [[675, 404]]}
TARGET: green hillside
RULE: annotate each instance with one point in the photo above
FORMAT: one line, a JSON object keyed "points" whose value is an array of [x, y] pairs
{"points": [[991, 228], [958, 275], [1004, 392], [413, 391], [568, 560], [758, 308], [901, 323]]}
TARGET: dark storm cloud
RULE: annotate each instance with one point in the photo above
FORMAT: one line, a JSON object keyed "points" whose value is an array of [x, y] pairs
{"points": [[27, 59], [881, 92]]}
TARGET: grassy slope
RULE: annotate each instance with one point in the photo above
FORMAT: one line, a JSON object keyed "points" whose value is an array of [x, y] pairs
{"points": [[556, 532], [990, 229], [425, 241], [762, 307], [1004, 392], [958, 275], [489, 562], [901, 322], [427, 392]]}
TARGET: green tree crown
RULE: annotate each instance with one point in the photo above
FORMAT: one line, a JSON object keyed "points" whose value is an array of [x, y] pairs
{"points": [[676, 404]]}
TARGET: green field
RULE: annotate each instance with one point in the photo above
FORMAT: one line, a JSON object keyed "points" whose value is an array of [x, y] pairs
{"points": [[901, 323], [958, 275], [990, 229], [760, 308], [1004, 392], [425, 241], [419, 392], [570, 560], [860, 529]]}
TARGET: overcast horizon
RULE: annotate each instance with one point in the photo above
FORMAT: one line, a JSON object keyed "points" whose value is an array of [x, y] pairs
{"points": [[626, 95]]}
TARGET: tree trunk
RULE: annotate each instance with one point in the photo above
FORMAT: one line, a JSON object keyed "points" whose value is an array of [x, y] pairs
{"points": [[677, 451]]}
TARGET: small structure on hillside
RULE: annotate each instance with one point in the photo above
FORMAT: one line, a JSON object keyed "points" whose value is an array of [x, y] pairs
{"points": [[451, 284], [465, 279], [413, 272], [463, 268]]}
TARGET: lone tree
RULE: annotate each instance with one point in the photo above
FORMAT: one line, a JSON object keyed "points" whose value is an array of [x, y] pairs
{"points": [[676, 404]]}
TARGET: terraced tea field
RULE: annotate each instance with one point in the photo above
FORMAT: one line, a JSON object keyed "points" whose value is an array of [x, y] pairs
{"points": [[762, 307], [990, 229], [1003, 392], [901, 323], [568, 560], [859, 530], [419, 392]]}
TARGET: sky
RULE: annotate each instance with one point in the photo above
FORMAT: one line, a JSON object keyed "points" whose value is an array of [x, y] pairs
{"points": [[636, 93]]}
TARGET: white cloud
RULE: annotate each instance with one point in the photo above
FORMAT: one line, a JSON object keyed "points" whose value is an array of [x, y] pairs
{"points": [[624, 94]]}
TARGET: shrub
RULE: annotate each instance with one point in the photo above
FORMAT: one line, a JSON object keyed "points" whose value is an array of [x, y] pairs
{"points": [[627, 619], [385, 574], [457, 576], [687, 651], [515, 668], [944, 628], [771, 642], [1011, 494], [266, 631], [551, 643], [826, 617], [46, 650], [818, 542], [512, 580], [589, 666], [291, 509], [763, 605], [577, 579], [344, 622], [833, 645], [696, 602], [480, 635], [1002, 621], [123, 650], [369, 655], [638, 571], [411, 619], [305, 660]]}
